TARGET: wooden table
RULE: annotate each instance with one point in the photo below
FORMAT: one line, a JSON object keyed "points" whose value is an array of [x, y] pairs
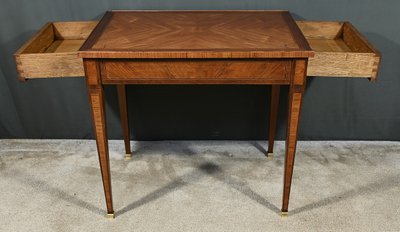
{"points": [[197, 47], [248, 47]]}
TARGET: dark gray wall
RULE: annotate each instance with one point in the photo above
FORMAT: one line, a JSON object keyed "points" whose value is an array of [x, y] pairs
{"points": [[333, 108]]}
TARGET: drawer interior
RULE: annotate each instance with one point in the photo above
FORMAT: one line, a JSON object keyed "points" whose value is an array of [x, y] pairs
{"points": [[67, 45], [340, 50], [52, 52]]}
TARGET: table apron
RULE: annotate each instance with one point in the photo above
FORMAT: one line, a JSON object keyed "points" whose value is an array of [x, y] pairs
{"points": [[196, 71]]}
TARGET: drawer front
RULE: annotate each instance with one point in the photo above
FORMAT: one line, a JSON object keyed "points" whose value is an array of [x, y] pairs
{"points": [[52, 52], [184, 71], [340, 50]]}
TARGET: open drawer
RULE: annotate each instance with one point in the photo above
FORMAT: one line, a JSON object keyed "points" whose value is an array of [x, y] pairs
{"points": [[52, 52], [340, 50]]}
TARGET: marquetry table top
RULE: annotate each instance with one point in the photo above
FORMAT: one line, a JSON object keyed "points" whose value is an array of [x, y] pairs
{"points": [[196, 34]]}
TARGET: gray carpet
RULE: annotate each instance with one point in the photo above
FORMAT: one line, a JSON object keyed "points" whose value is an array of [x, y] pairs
{"points": [[55, 185]]}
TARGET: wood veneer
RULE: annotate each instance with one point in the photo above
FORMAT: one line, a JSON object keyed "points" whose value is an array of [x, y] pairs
{"points": [[96, 99], [196, 34], [340, 50], [152, 48], [197, 47], [192, 71]]}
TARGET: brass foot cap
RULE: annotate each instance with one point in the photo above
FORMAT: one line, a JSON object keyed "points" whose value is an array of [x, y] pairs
{"points": [[284, 214], [128, 156], [110, 215], [270, 155]]}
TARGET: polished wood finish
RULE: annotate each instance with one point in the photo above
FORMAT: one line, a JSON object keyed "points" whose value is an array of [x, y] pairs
{"points": [[197, 47], [96, 98], [196, 34], [340, 50], [123, 113], [52, 52], [296, 91], [192, 71], [121, 41], [273, 115]]}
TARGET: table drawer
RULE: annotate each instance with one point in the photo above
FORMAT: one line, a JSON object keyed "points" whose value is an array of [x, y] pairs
{"points": [[52, 52], [340, 50], [187, 71]]}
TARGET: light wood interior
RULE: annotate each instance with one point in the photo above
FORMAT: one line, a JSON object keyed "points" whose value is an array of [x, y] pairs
{"points": [[332, 37], [59, 37], [319, 29], [340, 50], [328, 45], [73, 30], [69, 36], [52, 52], [60, 46]]}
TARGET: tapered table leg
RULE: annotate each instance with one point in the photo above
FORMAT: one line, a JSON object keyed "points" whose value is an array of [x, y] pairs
{"points": [[295, 100], [273, 114], [96, 98], [123, 112]]}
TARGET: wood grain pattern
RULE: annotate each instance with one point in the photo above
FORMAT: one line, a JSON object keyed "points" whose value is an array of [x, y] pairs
{"points": [[341, 64], [197, 47], [194, 71], [96, 97], [299, 78], [52, 52], [340, 50], [48, 65], [294, 109], [337, 46], [329, 45], [295, 100], [91, 66], [63, 46], [375, 69], [197, 34], [74, 30], [273, 115], [40, 41], [123, 114], [357, 42], [324, 30]]}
